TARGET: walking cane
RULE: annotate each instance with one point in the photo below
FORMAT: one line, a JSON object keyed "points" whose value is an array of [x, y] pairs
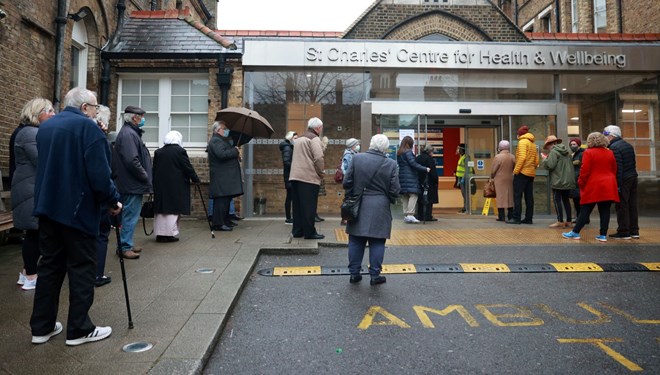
{"points": [[205, 211], [117, 223]]}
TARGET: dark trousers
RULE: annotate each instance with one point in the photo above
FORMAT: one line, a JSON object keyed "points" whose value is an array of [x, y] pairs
{"points": [[287, 202], [561, 198], [509, 214], [30, 251], [424, 211], [523, 185], [585, 211], [305, 199], [356, 246], [576, 204], [65, 251], [102, 243], [626, 209], [221, 211]]}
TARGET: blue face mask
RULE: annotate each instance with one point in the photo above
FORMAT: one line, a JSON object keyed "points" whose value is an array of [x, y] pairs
{"points": [[142, 122], [225, 133]]}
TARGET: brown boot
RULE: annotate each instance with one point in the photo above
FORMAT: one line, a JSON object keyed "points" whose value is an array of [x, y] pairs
{"points": [[130, 254]]}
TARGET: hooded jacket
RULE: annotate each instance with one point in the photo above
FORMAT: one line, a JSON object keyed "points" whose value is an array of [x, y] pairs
{"points": [[526, 156], [560, 165]]}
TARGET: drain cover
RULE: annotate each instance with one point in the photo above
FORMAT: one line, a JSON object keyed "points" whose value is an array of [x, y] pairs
{"points": [[205, 270], [137, 347]]}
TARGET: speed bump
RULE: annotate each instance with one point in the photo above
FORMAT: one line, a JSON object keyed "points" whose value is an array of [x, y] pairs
{"points": [[466, 268]]}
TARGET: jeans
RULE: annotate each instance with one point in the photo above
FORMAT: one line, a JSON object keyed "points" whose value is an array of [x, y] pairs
{"points": [[356, 245], [523, 185], [130, 214]]}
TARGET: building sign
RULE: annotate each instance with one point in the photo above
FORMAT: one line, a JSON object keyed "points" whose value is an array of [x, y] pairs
{"points": [[450, 55]]}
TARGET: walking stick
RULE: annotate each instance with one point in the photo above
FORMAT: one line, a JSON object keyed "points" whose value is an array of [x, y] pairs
{"points": [[117, 223], [205, 211]]}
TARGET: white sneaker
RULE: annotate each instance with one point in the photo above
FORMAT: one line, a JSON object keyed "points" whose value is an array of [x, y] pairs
{"points": [[21, 279], [43, 339], [99, 333], [29, 284], [407, 219], [413, 219]]}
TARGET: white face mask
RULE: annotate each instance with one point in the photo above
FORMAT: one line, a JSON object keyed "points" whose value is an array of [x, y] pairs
{"points": [[357, 148]]}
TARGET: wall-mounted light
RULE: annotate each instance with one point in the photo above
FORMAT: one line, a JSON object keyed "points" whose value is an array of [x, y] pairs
{"points": [[575, 118], [630, 110], [82, 13]]}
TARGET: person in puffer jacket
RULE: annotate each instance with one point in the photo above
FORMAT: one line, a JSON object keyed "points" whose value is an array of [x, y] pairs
{"points": [[408, 178], [626, 178], [527, 159]]}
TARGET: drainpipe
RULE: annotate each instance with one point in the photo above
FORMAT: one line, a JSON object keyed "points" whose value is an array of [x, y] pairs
{"points": [[620, 15], [515, 12], [105, 65], [224, 80], [60, 20], [153, 5], [557, 15]]}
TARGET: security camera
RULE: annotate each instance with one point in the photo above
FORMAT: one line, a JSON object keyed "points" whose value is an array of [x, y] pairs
{"points": [[2, 14]]}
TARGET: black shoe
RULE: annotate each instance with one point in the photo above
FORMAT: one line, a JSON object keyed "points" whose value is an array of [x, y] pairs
{"points": [[355, 279], [431, 219], [236, 217], [316, 236], [318, 219], [231, 224], [620, 236], [377, 280], [526, 221], [100, 281], [635, 235], [225, 228], [288, 221], [512, 221], [166, 239], [499, 219]]}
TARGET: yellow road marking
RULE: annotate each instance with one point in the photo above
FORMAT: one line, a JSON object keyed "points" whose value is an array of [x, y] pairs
{"points": [[484, 267], [399, 268], [600, 343], [652, 266], [577, 267]]}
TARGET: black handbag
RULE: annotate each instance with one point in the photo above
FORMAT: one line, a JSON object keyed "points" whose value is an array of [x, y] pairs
{"points": [[350, 207], [147, 212]]}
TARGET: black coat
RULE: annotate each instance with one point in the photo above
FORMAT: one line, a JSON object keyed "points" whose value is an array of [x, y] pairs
{"points": [[172, 175], [624, 153], [131, 161], [427, 161], [286, 147], [224, 169]]}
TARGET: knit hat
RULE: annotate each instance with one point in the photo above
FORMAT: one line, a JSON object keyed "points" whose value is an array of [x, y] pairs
{"points": [[523, 130], [551, 139], [577, 141], [612, 130], [461, 146], [351, 142]]}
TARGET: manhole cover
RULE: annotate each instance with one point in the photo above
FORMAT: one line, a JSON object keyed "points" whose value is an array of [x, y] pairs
{"points": [[205, 270], [137, 347]]}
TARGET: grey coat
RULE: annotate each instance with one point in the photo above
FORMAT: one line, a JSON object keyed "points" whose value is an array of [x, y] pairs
{"points": [[375, 217], [22, 183], [131, 161], [224, 169]]}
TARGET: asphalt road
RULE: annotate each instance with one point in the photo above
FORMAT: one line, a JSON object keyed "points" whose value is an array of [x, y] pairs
{"points": [[578, 323]]}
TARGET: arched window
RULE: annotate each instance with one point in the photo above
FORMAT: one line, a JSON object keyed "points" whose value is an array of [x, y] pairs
{"points": [[78, 56]]}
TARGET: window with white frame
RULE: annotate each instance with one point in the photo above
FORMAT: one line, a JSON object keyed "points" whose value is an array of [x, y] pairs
{"points": [[574, 16], [78, 77], [174, 102], [600, 16]]}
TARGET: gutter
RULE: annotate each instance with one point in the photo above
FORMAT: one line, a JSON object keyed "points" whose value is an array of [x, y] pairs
{"points": [[60, 20]]}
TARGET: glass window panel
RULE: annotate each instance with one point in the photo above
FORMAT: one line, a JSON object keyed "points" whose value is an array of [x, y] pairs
{"points": [[149, 86], [127, 100], [199, 104], [180, 120], [150, 103], [180, 87], [198, 134], [200, 87], [180, 104], [184, 132], [199, 120], [130, 86]]}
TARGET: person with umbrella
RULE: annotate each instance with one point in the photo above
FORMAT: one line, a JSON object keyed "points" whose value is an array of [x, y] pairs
{"points": [[429, 182], [225, 175]]}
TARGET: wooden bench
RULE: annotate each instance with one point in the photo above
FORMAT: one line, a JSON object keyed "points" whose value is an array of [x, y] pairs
{"points": [[6, 221]]}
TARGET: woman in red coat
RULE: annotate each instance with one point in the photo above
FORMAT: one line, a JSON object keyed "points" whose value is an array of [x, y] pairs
{"points": [[598, 186]]}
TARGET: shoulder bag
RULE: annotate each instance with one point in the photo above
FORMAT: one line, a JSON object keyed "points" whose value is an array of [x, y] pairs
{"points": [[489, 189], [147, 212]]}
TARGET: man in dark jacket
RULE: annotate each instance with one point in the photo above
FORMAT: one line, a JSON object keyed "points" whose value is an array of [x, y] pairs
{"points": [[286, 148], [131, 166], [225, 175], [73, 183], [626, 178], [430, 179]]}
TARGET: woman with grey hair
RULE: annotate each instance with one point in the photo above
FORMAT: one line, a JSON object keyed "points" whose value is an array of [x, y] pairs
{"points": [[103, 117], [502, 173], [172, 173], [376, 176], [23, 149]]}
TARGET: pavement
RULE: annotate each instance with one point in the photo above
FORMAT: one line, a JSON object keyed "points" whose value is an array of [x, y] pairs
{"points": [[182, 312]]}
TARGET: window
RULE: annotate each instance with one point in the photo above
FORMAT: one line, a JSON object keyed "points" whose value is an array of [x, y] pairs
{"points": [[529, 27], [174, 102], [574, 16], [600, 16], [544, 20], [78, 77]]}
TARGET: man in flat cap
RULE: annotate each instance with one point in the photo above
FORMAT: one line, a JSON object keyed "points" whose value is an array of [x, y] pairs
{"points": [[131, 166]]}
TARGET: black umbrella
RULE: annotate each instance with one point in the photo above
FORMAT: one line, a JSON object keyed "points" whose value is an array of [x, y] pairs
{"points": [[246, 123]]}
